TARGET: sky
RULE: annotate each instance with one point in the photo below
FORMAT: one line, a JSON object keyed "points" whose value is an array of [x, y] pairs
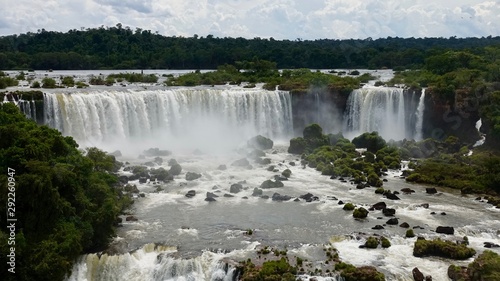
{"points": [[280, 19]]}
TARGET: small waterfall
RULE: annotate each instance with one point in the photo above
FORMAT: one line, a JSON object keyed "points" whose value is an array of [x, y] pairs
{"points": [[377, 109], [152, 263], [420, 117], [202, 114]]}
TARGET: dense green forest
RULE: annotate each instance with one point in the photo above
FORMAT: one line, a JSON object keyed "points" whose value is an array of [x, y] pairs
{"points": [[123, 48], [64, 200]]}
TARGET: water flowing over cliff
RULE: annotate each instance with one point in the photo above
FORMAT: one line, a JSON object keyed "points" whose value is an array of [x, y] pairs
{"points": [[392, 112], [104, 116]]}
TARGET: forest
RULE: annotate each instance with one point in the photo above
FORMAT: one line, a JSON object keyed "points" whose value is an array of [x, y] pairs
{"points": [[121, 47]]}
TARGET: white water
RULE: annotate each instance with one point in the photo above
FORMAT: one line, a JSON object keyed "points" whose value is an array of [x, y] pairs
{"points": [[378, 109], [201, 118], [420, 117]]}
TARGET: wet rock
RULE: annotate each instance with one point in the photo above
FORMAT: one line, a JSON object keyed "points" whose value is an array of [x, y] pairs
{"points": [[333, 177], [222, 167], [158, 160], [384, 180], [116, 153], [425, 205], [175, 169], [490, 245], [131, 218], [142, 195], [307, 197], [417, 275], [190, 193], [143, 180], [271, 184], [457, 273], [190, 176], [433, 213], [443, 213], [244, 197], [161, 174], [156, 152], [257, 192], [478, 198], [172, 162], [430, 190], [291, 163], [360, 186], [279, 197], [243, 162], [341, 202], [228, 195], [131, 188], [150, 164], [280, 178], [379, 206], [260, 142], [296, 200], [391, 196], [378, 227], [404, 225], [393, 221], [263, 161], [210, 199], [407, 190], [389, 212], [265, 197], [212, 195], [445, 230], [235, 188]]}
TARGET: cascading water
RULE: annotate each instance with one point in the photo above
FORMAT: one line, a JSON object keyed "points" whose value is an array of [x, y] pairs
{"points": [[379, 109], [189, 114], [420, 117]]}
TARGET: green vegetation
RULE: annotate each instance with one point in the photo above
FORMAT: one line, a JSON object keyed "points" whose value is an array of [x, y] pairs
{"points": [[364, 273], [279, 270], [133, 78], [66, 204], [442, 248], [48, 83], [360, 213], [371, 242], [349, 207], [485, 267], [409, 233], [68, 81], [6, 81], [385, 242]]}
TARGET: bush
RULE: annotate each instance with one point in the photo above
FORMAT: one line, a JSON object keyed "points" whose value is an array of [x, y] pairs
{"points": [[485, 267], [360, 213], [371, 242], [410, 233], [286, 173], [68, 81], [349, 207], [440, 248], [385, 242], [364, 273]]}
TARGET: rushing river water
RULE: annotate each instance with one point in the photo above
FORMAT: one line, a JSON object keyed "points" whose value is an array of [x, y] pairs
{"points": [[197, 235]]}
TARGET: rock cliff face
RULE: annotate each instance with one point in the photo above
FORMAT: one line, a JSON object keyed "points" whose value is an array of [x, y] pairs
{"points": [[451, 117]]}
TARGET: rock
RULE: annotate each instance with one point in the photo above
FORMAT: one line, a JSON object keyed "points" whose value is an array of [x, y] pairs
{"points": [[271, 168], [143, 180], [296, 200], [443, 214], [172, 162], [175, 169], [131, 218], [222, 167], [156, 152], [391, 196], [457, 273], [378, 227], [263, 161], [280, 178], [407, 190], [235, 188], [430, 190], [190, 176], [243, 162], [360, 186], [490, 245], [428, 278], [257, 192], [404, 225], [379, 206], [161, 174], [116, 153], [291, 163], [212, 195], [279, 197], [433, 213], [393, 221], [478, 198], [389, 212], [150, 164], [307, 196], [360, 213], [264, 197], [244, 197], [142, 195], [158, 160], [425, 205], [271, 184], [417, 275], [256, 153], [260, 142], [190, 193], [445, 230], [131, 188], [340, 202], [210, 199], [228, 195]]}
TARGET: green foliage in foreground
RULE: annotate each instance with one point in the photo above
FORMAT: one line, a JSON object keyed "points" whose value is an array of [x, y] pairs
{"points": [[279, 270], [65, 203], [6, 81], [485, 267], [442, 248]]}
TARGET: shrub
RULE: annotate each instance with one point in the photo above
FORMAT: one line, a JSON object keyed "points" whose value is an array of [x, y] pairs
{"points": [[48, 83], [371, 242], [385, 242], [410, 233], [349, 207], [441, 248], [360, 213]]}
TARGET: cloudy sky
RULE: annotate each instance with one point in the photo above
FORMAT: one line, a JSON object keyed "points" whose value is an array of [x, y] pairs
{"points": [[281, 19]]}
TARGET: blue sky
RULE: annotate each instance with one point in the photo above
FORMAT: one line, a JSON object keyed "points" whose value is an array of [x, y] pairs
{"points": [[280, 19]]}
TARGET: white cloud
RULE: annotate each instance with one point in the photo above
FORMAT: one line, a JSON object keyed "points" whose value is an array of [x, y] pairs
{"points": [[281, 19]]}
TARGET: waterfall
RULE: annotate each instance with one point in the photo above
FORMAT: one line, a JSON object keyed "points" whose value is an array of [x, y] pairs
{"points": [[378, 109], [420, 117], [152, 263], [202, 114]]}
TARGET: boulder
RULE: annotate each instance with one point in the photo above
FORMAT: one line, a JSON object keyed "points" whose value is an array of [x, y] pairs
{"points": [[417, 275], [257, 192], [407, 190], [360, 213], [228, 195], [235, 188], [190, 176], [279, 197], [378, 227], [389, 212], [425, 205], [265, 197], [131, 218], [260, 142], [172, 162], [256, 153], [210, 199], [158, 160], [190, 194], [175, 169], [263, 161], [243, 162], [212, 195], [131, 188], [445, 230], [393, 221], [379, 206], [143, 180], [404, 225], [161, 174], [490, 245], [360, 186], [222, 167], [271, 184], [391, 196], [430, 190], [156, 152]]}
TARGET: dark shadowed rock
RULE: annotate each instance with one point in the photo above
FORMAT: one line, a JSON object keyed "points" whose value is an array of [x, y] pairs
{"points": [[265, 197], [257, 192], [430, 190], [271, 184], [391, 196], [393, 221], [404, 225], [341, 202], [228, 195], [425, 205], [279, 197], [263, 161], [172, 162], [156, 152], [131, 218], [210, 199], [175, 169], [445, 230], [212, 195], [490, 245], [389, 212], [407, 190], [379, 206], [190, 194], [143, 180], [378, 227], [417, 275]]}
